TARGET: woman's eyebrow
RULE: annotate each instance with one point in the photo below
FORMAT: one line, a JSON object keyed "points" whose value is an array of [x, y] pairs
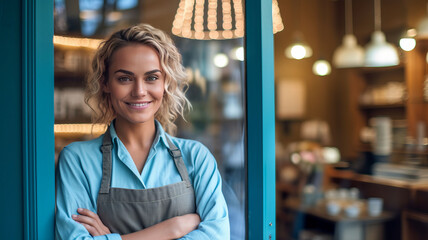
{"points": [[124, 71], [153, 71]]}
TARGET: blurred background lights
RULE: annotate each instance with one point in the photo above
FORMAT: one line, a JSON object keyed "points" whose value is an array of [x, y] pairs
{"points": [[237, 53], [298, 51], [331, 155], [221, 60], [408, 42], [321, 68]]}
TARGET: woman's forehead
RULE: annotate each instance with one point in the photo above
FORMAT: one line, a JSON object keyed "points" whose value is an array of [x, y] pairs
{"points": [[135, 56]]}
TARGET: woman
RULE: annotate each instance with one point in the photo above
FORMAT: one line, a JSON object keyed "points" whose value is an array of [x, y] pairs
{"points": [[136, 181]]}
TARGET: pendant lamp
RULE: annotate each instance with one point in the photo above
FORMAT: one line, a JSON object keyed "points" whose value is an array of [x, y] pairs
{"points": [[321, 67], [380, 53], [349, 54], [298, 49], [215, 19], [408, 41]]}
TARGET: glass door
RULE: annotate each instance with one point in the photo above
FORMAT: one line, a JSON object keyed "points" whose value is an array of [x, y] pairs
{"points": [[215, 72]]}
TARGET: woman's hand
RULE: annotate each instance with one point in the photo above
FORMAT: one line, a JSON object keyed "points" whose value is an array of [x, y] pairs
{"points": [[186, 223], [91, 222]]}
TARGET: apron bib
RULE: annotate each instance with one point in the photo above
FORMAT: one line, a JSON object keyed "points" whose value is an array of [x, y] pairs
{"points": [[126, 211]]}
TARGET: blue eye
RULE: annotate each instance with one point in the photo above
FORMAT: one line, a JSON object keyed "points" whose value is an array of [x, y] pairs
{"points": [[152, 78], [124, 79]]}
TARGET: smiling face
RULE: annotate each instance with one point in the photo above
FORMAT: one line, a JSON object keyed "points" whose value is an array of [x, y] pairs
{"points": [[135, 83]]}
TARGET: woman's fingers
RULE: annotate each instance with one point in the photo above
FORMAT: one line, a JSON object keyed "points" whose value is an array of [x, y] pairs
{"points": [[93, 231], [94, 216], [85, 219], [94, 225]]}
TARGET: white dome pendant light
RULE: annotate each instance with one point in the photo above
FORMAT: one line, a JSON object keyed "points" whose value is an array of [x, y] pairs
{"points": [[349, 54], [380, 53]]}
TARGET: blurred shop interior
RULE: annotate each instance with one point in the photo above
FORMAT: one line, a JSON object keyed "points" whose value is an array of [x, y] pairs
{"points": [[351, 90]]}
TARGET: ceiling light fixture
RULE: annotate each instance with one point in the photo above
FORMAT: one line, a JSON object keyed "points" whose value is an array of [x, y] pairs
{"points": [[408, 41], [349, 54], [206, 19], [380, 53], [321, 67], [298, 49]]}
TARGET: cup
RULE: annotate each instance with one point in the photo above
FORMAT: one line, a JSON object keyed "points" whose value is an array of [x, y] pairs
{"points": [[333, 208], [352, 211], [374, 206], [354, 193]]}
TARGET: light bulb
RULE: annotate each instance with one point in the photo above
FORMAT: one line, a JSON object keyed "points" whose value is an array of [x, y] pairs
{"points": [[321, 68], [221, 60], [298, 51], [407, 44], [237, 54]]}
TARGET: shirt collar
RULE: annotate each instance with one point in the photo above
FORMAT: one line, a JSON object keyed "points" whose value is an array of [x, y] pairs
{"points": [[159, 135]]}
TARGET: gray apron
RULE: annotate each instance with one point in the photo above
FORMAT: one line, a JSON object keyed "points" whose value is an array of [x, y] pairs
{"points": [[125, 211]]}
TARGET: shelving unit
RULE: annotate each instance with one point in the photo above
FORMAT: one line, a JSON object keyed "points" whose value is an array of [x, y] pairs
{"points": [[411, 109]]}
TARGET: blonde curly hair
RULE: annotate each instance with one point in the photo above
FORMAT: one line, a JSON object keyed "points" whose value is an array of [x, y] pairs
{"points": [[174, 100]]}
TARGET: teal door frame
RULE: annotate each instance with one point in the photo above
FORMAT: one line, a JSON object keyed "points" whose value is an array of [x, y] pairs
{"points": [[38, 119], [27, 142], [260, 120], [27, 139]]}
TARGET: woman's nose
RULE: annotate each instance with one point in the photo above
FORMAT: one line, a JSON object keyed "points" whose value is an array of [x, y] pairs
{"points": [[139, 89]]}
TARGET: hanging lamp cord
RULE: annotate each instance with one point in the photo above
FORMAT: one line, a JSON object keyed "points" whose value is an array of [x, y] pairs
{"points": [[377, 22], [348, 18]]}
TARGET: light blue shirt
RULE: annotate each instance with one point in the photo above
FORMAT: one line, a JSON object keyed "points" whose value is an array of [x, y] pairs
{"points": [[80, 172]]}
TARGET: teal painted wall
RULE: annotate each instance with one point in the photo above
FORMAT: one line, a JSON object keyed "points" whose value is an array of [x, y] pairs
{"points": [[11, 193]]}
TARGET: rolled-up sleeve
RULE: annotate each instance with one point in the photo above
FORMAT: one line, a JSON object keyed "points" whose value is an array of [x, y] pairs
{"points": [[72, 193], [210, 202]]}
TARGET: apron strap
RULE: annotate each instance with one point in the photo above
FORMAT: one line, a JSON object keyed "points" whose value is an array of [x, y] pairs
{"points": [[107, 162], [178, 160], [106, 150]]}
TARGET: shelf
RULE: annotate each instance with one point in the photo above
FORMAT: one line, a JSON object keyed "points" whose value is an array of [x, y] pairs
{"points": [[78, 130], [382, 106], [350, 175], [320, 211], [381, 69]]}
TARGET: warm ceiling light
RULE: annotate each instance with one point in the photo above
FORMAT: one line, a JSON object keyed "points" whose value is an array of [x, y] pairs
{"points": [[298, 49], [321, 68], [198, 19], [408, 41], [349, 54], [380, 53]]}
